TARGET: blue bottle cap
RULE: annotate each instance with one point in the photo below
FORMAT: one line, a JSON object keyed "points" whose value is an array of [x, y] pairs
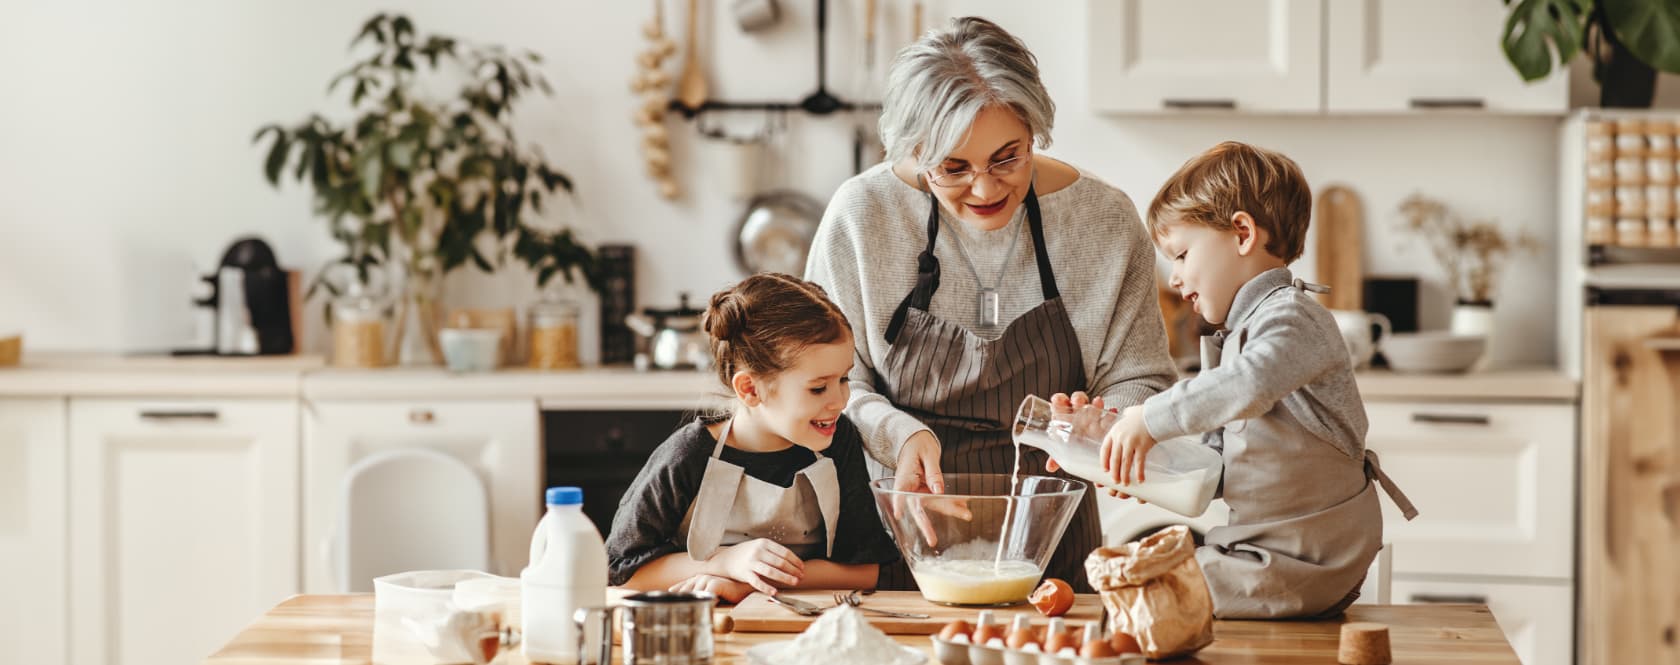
{"points": [[565, 496]]}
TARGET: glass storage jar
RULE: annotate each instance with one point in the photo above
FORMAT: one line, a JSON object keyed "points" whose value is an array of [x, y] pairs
{"points": [[554, 335]]}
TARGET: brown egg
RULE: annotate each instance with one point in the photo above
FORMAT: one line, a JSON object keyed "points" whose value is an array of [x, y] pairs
{"points": [[988, 633], [1061, 640], [1124, 643], [1021, 637], [1097, 649], [955, 628], [1053, 598]]}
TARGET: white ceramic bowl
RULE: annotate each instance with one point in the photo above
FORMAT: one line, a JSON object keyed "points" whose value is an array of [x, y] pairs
{"points": [[1436, 351], [470, 349]]}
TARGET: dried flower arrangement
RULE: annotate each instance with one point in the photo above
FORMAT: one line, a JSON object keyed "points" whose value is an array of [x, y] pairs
{"points": [[1473, 252]]}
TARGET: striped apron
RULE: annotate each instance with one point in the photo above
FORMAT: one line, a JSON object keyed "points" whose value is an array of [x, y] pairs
{"points": [[966, 389]]}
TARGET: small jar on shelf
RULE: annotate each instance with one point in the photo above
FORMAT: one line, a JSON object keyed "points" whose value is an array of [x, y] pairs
{"points": [[1629, 170], [1659, 138], [1630, 201], [358, 331], [1630, 138], [1599, 231], [1601, 172], [1631, 232], [1600, 140], [554, 334], [1659, 232]]}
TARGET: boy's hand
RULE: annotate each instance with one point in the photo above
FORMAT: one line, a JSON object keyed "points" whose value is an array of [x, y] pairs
{"points": [[1063, 404], [727, 590], [1125, 447], [762, 564]]}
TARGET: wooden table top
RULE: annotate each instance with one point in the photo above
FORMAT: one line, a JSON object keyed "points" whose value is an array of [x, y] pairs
{"points": [[338, 630]]}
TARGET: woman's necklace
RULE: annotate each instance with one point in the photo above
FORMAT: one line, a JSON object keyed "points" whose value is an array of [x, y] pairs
{"points": [[988, 301]]}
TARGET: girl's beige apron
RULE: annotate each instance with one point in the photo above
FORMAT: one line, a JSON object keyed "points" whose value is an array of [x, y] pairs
{"points": [[733, 507], [966, 388]]}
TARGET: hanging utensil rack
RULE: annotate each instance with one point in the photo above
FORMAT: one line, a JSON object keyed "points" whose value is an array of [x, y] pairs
{"points": [[821, 102]]}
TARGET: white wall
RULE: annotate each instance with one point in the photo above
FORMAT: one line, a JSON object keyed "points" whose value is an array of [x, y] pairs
{"points": [[125, 155]]}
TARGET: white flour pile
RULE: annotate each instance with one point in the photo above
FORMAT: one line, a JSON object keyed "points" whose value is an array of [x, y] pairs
{"points": [[841, 637]]}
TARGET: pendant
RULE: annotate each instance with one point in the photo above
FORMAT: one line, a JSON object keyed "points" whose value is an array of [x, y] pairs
{"points": [[988, 307]]}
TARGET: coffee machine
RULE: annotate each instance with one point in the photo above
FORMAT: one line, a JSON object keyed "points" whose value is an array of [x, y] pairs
{"points": [[249, 303]]}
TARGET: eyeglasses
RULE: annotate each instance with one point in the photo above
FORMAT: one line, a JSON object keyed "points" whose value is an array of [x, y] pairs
{"points": [[965, 177]]}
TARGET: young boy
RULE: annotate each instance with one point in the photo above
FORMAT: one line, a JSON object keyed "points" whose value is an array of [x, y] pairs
{"points": [[1276, 394]]}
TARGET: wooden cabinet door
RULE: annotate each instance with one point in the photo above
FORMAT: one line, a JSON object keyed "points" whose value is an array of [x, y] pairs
{"points": [[33, 490], [1630, 486], [183, 524], [1150, 56], [1420, 55]]}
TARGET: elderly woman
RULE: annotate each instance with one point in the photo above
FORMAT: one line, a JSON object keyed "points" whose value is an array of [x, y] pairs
{"points": [[975, 273]]}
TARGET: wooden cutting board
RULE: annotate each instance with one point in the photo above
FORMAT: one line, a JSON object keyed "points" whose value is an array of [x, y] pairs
{"points": [[758, 614], [1340, 250]]}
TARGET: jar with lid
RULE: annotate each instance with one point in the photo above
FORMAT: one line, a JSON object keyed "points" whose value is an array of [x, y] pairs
{"points": [[554, 334], [1630, 138], [358, 331]]}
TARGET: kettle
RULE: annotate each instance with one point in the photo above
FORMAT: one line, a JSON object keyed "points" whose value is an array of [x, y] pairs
{"points": [[675, 340]]}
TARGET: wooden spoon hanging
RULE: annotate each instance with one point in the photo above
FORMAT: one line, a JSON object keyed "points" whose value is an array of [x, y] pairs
{"points": [[1340, 252], [691, 85]]}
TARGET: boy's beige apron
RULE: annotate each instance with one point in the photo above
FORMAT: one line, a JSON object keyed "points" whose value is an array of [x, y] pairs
{"points": [[1292, 548], [967, 389], [733, 507]]}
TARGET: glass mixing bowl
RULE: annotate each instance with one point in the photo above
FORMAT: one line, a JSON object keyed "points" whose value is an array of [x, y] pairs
{"points": [[979, 543]]}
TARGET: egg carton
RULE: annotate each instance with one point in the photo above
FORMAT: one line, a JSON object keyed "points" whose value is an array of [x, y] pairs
{"points": [[965, 653]]}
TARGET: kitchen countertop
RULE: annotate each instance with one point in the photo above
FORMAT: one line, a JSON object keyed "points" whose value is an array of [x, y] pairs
{"points": [[338, 630], [110, 375]]}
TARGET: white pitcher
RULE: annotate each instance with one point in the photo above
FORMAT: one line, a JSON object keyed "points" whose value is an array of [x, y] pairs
{"points": [[1356, 332]]}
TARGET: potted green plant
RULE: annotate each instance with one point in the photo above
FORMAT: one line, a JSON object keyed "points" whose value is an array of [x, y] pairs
{"points": [[429, 184], [1629, 41]]}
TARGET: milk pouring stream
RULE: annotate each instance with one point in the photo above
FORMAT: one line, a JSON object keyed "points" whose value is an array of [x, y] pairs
{"points": [[568, 570]]}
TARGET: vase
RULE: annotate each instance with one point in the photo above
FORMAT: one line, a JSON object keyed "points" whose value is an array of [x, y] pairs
{"points": [[1475, 318], [415, 338]]}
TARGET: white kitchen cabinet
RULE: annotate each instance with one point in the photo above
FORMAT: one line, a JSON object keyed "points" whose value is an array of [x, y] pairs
{"points": [[33, 490], [1538, 619], [1405, 55], [498, 440], [1169, 55], [1494, 484], [183, 524]]}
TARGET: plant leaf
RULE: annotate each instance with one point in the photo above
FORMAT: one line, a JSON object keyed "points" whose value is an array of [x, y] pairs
{"points": [[1649, 28], [1538, 29], [277, 155], [374, 27]]}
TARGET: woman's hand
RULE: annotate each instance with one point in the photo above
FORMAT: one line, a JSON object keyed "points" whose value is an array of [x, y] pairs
{"points": [[918, 471], [762, 564], [1061, 403], [727, 590], [918, 465]]}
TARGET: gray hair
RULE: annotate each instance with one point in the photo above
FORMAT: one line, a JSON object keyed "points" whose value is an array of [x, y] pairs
{"points": [[939, 84]]}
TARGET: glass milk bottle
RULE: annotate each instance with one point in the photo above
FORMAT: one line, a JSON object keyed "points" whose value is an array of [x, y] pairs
{"points": [[1180, 475]]}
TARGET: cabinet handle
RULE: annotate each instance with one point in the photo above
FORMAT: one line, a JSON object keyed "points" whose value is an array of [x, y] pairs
{"points": [[1450, 599], [422, 416], [1452, 418], [1432, 103], [210, 415], [1224, 104]]}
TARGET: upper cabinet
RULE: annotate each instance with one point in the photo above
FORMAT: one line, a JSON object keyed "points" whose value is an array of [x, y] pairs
{"points": [[1401, 55], [1308, 56], [1170, 55]]}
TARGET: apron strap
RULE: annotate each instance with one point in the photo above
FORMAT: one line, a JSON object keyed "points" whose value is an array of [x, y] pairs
{"points": [[927, 275], [1373, 471], [927, 265], [717, 450], [1041, 254]]}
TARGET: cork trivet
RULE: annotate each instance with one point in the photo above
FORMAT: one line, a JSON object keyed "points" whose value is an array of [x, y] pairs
{"points": [[1364, 644]]}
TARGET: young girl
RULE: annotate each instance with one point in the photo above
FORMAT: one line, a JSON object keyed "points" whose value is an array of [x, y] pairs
{"points": [[775, 495]]}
